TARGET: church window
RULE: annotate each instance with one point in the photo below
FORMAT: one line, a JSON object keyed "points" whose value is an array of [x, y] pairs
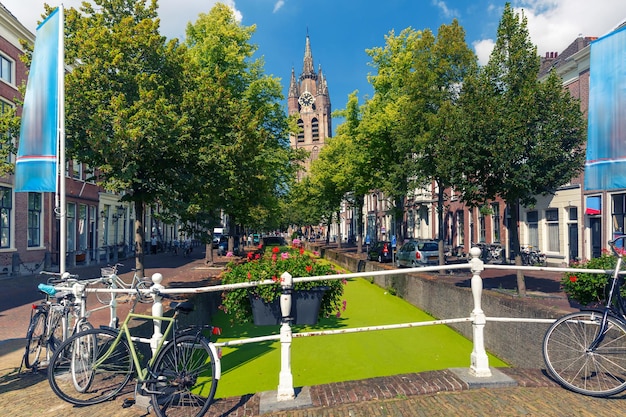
{"points": [[315, 130], [300, 131]]}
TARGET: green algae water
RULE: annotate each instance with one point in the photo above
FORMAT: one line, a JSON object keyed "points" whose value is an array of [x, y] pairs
{"points": [[318, 360]]}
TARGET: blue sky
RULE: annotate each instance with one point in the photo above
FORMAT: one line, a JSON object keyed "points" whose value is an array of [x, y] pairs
{"points": [[341, 30]]}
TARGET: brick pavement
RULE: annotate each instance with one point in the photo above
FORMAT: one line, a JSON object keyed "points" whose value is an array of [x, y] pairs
{"points": [[436, 393]]}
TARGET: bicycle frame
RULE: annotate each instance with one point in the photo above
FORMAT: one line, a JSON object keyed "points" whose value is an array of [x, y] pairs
{"points": [[124, 331], [614, 302]]}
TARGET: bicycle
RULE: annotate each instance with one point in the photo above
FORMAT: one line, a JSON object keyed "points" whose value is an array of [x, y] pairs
{"points": [[50, 319], [532, 257], [113, 281], [585, 351], [181, 377]]}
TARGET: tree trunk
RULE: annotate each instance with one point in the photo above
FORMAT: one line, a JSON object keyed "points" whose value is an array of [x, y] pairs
{"points": [[338, 229], [139, 238], [208, 257], [359, 224], [442, 228], [515, 246]]}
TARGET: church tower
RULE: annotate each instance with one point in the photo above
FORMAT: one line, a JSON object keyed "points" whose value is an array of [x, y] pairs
{"points": [[308, 97]]}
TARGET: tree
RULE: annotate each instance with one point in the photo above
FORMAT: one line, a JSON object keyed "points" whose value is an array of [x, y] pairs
{"points": [[123, 100], [238, 127], [519, 137], [435, 88]]}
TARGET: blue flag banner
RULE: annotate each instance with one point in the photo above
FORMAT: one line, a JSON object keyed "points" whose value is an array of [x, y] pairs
{"points": [[605, 167], [36, 163]]}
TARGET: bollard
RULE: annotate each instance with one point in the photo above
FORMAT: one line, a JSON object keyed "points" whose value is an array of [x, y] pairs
{"points": [[479, 360], [157, 311], [285, 378]]}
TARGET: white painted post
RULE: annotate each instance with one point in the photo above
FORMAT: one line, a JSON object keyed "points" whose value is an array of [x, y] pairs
{"points": [[479, 360], [285, 378], [157, 311]]}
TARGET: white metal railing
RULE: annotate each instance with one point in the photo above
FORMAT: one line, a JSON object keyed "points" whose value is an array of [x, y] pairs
{"points": [[479, 366]]}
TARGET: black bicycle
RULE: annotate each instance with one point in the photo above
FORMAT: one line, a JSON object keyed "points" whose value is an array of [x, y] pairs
{"points": [[50, 322], [585, 351]]}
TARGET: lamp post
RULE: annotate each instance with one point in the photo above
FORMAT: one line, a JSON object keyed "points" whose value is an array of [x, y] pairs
{"points": [[120, 212]]}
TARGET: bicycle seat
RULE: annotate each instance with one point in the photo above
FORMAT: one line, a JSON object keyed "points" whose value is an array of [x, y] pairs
{"points": [[183, 307]]}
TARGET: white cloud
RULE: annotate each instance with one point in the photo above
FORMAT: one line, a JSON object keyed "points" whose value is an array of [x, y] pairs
{"points": [[174, 14], [553, 25], [483, 49], [447, 12], [279, 4]]}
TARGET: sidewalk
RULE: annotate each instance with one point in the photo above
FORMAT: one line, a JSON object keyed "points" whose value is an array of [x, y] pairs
{"points": [[437, 393]]}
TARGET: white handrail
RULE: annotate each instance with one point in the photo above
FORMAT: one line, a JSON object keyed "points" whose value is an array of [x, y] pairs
{"points": [[479, 359]]}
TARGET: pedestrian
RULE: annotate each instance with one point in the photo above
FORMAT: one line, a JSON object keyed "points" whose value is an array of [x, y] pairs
{"points": [[153, 244]]}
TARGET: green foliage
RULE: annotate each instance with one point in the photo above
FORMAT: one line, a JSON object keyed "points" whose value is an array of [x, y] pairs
{"points": [[587, 288], [270, 266]]}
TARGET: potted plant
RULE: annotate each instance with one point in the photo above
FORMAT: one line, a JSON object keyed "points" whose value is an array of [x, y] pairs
{"points": [[270, 265], [588, 288]]}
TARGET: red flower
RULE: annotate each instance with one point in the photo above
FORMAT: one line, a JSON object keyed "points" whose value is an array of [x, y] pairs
{"points": [[275, 249], [249, 275], [573, 278], [301, 251], [309, 268], [250, 255], [274, 278], [274, 257]]}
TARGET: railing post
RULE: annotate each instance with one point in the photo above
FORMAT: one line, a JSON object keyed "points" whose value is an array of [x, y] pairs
{"points": [[157, 311], [479, 360], [285, 378]]}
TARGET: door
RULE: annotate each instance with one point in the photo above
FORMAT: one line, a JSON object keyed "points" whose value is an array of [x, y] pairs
{"points": [[572, 235], [595, 223]]}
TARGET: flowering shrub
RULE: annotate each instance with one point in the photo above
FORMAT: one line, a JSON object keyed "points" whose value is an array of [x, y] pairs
{"points": [[586, 288], [270, 266]]}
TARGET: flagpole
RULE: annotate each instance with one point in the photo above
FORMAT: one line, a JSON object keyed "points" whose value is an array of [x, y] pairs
{"points": [[61, 170]]}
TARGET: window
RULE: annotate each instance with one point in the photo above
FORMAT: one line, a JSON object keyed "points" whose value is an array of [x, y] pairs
{"points": [[77, 170], [552, 225], [532, 218], [82, 227], [315, 153], [619, 213], [71, 227], [315, 130], [6, 205], [300, 131], [481, 227], [6, 69], [495, 209], [34, 220], [460, 222]]}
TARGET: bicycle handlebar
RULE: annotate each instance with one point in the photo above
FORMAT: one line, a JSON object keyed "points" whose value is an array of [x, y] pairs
{"points": [[62, 276]]}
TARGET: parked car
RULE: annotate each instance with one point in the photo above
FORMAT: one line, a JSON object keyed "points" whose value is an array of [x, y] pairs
{"points": [[272, 241], [416, 253], [222, 247], [381, 252]]}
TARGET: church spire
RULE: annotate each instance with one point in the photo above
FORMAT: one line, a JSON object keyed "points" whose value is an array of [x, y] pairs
{"points": [[293, 87], [307, 69]]}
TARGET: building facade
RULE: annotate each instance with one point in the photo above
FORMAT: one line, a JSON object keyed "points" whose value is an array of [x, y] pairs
{"points": [[308, 98]]}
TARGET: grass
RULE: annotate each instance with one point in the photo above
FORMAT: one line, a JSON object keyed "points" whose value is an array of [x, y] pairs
{"points": [[323, 359]]}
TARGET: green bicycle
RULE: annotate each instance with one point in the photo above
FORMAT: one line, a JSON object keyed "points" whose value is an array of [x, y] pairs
{"points": [[95, 365]]}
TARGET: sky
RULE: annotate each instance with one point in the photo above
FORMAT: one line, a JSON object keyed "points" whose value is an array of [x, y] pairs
{"points": [[341, 31]]}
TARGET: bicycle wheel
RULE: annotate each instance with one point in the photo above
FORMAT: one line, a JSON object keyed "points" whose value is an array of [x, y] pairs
{"points": [[183, 378], [90, 367], [144, 297], [55, 327], [35, 339], [104, 298], [598, 372]]}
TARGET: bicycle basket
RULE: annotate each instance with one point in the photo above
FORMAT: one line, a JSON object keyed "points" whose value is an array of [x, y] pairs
{"points": [[107, 272]]}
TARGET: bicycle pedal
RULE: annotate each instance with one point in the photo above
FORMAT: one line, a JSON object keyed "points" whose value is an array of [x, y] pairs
{"points": [[128, 402]]}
